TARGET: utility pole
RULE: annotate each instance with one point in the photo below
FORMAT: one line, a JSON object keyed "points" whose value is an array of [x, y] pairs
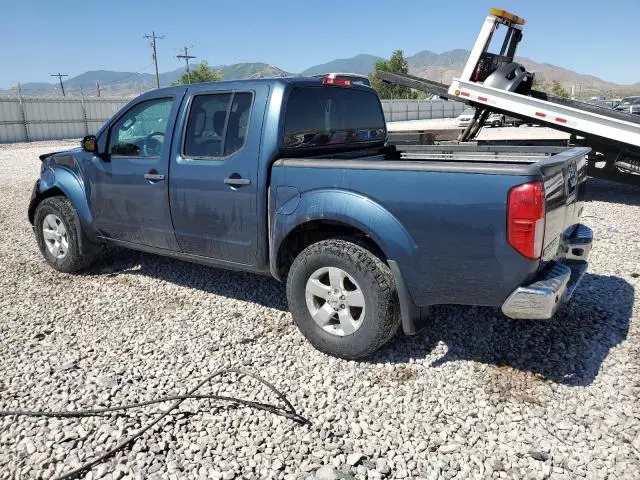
{"points": [[153, 38], [98, 88], [186, 57], [60, 75]]}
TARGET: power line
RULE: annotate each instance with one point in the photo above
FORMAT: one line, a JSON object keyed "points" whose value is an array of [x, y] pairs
{"points": [[186, 57], [60, 75], [153, 38]]}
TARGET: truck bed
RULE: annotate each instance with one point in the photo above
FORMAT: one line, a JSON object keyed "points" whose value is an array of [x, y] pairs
{"points": [[464, 158], [444, 207], [483, 153]]}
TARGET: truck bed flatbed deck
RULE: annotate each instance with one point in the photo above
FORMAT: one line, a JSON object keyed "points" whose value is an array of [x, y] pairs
{"points": [[588, 107], [493, 81]]}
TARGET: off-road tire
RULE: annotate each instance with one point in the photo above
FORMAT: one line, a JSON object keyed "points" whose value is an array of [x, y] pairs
{"points": [[375, 279], [74, 260]]}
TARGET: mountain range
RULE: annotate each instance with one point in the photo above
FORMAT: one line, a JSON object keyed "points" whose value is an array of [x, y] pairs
{"points": [[440, 67]]}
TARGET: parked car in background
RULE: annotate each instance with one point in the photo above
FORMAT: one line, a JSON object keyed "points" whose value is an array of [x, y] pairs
{"points": [[355, 78], [464, 119], [629, 105], [496, 120], [514, 122]]}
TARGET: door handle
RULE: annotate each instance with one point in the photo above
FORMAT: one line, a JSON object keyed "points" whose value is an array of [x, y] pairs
{"points": [[236, 180], [154, 177]]}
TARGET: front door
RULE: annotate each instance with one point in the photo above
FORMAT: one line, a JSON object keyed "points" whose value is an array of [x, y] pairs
{"points": [[214, 174], [129, 184]]}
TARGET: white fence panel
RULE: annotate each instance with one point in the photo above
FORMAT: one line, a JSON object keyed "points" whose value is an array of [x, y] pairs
{"points": [[102, 109], [52, 118], [402, 110], [10, 111], [10, 133]]}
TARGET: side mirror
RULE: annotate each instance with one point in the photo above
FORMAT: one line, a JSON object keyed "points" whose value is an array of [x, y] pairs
{"points": [[90, 144]]}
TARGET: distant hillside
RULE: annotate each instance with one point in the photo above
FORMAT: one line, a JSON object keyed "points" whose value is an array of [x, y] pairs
{"points": [[34, 86], [250, 70], [441, 67], [363, 64], [132, 83], [427, 58]]}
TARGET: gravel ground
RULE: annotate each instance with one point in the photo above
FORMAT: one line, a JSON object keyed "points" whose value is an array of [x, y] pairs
{"points": [[472, 396]]}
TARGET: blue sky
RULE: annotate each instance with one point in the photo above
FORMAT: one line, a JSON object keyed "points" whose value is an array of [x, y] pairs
{"points": [[39, 37]]}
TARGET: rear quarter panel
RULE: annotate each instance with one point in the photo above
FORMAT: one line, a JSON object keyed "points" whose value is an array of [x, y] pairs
{"points": [[446, 230]]}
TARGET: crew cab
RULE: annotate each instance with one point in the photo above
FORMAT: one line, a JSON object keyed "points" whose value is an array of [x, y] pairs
{"points": [[294, 178]]}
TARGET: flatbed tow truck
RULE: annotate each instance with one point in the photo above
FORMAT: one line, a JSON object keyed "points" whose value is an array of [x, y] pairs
{"points": [[493, 82]]}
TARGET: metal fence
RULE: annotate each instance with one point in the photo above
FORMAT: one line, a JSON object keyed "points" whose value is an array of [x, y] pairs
{"points": [[401, 110], [30, 119]]}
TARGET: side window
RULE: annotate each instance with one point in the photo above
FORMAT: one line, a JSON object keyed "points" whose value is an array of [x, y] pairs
{"points": [[140, 132], [217, 125]]}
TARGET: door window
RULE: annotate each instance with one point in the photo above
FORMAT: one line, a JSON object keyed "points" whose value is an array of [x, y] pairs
{"points": [[217, 125], [141, 131]]}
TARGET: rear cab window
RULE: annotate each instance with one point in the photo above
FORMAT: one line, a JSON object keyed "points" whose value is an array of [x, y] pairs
{"points": [[321, 116]]}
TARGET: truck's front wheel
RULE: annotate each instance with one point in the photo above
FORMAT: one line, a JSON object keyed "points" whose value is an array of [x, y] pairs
{"points": [[342, 298], [57, 235]]}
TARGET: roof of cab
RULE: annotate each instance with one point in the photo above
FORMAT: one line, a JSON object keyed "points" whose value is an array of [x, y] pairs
{"points": [[226, 84]]}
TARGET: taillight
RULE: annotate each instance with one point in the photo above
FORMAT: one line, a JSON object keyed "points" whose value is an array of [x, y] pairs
{"points": [[340, 82], [525, 219]]}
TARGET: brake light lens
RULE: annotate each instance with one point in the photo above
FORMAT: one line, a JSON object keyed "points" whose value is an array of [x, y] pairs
{"points": [[525, 217], [339, 82]]}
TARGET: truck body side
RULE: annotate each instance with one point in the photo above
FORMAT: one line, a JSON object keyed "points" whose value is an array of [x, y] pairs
{"points": [[439, 224]]}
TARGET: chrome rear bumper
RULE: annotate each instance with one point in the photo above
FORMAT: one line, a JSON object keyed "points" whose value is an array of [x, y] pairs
{"points": [[556, 283]]}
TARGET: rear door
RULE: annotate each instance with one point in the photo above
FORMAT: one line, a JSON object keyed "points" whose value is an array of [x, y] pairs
{"points": [[214, 173]]}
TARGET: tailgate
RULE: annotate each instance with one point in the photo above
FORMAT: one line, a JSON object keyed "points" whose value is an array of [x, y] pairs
{"points": [[564, 175]]}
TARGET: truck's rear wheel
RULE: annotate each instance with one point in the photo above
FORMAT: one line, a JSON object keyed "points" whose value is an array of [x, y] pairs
{"points": [[57, 235], [342, 298]]}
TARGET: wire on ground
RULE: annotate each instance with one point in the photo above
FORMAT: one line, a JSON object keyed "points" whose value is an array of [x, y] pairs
{"points": [[288, 412]]}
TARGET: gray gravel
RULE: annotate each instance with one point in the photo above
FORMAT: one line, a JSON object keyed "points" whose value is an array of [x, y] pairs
{"points": [[472, 396]]}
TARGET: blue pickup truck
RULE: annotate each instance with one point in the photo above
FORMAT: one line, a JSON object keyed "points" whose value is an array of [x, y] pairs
{"points": [[295, 178]]}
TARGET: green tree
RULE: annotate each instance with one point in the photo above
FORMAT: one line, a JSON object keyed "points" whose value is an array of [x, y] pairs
{"points": [[396, 64], [554, 87], [558, 90], [202, 73], [540, 84]]}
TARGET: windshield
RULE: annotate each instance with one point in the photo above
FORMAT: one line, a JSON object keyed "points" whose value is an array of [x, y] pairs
{"points": [[332, 116], [468, 112]]}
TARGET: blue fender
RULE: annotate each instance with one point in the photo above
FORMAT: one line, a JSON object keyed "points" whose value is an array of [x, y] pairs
{"points": [[356, 211], [66, 181], [348, 208]]}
